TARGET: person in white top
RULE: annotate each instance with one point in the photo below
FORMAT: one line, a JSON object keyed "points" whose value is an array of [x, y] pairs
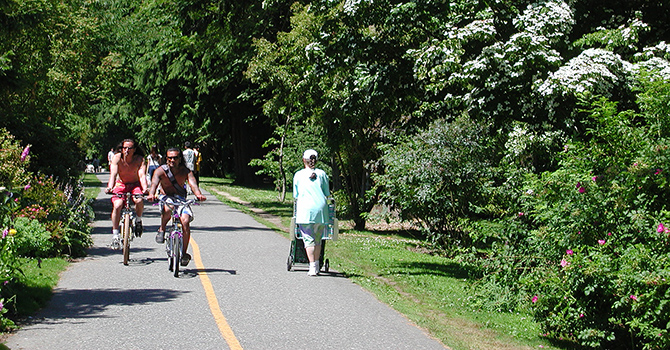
{"points": [[189, 156]]}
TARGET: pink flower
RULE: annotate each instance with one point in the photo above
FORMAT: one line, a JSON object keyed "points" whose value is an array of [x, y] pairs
{"points": [[25, 153], [569, 252], [658, 171], [633, 297], [564, 263], [609, 233], [594, 178], [601, 241], [581, 315], [520, 213], [660, 228], [26, 187], [582, 190], [4, 233], [578, 185], [534, 300]]}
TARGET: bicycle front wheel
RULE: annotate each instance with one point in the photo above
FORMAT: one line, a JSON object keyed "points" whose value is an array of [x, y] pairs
{"points": [[168, 249], [126, 238], [176, 253]]}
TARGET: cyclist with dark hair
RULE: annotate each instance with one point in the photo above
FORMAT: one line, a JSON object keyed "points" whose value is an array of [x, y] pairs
{"points": [[127, 174], [172, 177]]}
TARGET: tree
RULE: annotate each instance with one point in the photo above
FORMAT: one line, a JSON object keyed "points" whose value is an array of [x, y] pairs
{"points": [[47, 79]]}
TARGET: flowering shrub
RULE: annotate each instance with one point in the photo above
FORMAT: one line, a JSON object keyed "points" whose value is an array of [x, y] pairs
{"points": [[13, 174], [14, 170], [32, 238], [62, 209], [38, 218], [602, 281], [34, 211], [584, 246]]}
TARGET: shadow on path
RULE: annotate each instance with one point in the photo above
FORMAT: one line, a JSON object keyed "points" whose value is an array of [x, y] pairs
{"points": [[91, 303]]}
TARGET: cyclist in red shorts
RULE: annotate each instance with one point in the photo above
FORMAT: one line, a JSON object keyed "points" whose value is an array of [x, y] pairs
{"points": [[127, 174]]}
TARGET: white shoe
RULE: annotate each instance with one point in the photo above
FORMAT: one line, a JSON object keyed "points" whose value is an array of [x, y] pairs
{"points": [[312, 271], [116, 242]]}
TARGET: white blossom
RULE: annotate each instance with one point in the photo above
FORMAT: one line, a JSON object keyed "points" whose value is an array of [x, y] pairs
{"points": [[479, 29], [660, 68], [312, 49], [351, 6], [594, 70], [660, 50], [551, 19]]}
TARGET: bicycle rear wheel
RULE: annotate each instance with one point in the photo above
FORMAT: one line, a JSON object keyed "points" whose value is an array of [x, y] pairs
{"points": [[126, 238], [176, 253]]}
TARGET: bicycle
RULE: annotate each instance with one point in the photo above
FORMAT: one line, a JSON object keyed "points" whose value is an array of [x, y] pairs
{"points": [[127, 223], [173, 231]]}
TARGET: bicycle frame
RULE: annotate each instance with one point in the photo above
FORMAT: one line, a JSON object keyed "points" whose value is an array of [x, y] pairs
{"points": [[127, 224], [175, 237]]}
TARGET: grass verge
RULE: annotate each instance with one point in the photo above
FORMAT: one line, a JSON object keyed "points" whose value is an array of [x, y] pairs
{"points": [[91, 185], [33, 288], [432, 291]]}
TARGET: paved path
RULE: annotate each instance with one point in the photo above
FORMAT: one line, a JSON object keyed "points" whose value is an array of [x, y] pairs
{"points": [[235, 294]]}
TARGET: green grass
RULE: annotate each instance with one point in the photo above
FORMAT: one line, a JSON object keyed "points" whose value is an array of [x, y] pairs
{"points": [[261, 198], [33, 288], [432, 291], [91, 185]]}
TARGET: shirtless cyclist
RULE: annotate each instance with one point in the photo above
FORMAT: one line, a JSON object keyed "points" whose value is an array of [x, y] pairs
{"points": [[127, 175], [171, 177]]}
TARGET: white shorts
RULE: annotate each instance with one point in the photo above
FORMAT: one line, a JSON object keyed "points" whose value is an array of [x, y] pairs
{"points": [[184, 209]]}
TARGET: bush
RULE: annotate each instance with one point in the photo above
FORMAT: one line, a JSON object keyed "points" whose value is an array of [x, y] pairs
{"points": [[38, 218], [595, 223], [63, 210], [438, 177], [14, 159], [32, 239]]}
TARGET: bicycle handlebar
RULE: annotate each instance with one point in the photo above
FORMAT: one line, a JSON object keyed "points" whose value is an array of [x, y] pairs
{"points": [[122, 195], [177, 201]]}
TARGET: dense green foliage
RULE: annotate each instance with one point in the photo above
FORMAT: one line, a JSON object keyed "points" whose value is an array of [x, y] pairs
{"points": [[39, 218], [47, 64], [511, 131]]}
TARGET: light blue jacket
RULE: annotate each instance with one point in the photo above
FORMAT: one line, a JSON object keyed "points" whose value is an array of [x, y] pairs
{"points": [[311, 196]]}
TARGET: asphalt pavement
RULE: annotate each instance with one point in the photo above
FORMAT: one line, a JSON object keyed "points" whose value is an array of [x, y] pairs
{"points": [[235, 294]]}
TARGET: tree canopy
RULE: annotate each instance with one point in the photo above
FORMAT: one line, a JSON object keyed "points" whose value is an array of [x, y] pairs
{"points": [[502, 128]]}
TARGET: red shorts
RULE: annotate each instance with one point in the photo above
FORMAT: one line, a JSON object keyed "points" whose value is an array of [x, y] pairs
{"points": [[120, 187]]}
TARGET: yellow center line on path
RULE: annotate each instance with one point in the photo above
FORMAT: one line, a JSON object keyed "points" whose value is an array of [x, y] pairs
{"points": [[221, 322]]}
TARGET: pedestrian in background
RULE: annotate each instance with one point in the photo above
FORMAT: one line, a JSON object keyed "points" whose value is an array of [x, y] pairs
{"points": [[311, 189], [189, 156], [198, 159], [154, 160]]}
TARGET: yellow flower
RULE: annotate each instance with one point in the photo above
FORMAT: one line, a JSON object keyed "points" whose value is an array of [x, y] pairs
{"points": [[12, 231]]}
